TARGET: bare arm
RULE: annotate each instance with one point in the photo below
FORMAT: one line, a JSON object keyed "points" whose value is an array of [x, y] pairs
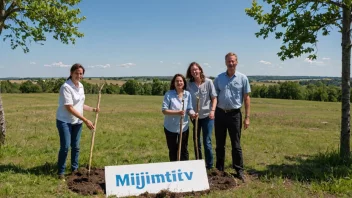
{"points": [[173, 112], [78, 115], [214, 102], [88, 108], [247, 107]]}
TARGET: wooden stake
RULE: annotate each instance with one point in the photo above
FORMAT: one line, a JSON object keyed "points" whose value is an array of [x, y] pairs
{"points": [[195, 134], [180, 136], [93, 131]]}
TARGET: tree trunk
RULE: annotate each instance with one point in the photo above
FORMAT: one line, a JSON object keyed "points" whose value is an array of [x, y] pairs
{"points": [[346, 65], [2, 25], [2, 15], [2, 124]]}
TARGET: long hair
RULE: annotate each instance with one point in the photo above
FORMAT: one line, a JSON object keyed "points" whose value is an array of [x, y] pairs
{"points": [[172, 85], [74, 68], [189, 74]]}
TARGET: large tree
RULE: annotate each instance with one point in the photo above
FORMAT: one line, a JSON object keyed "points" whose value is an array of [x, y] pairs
{"points": [[26, 21], [298, 23]]}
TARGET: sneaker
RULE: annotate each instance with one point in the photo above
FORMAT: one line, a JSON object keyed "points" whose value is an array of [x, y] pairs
{"points": [[61, 177]]}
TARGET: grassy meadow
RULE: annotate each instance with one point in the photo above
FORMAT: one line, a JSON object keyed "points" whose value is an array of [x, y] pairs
{"points": [[289, 149]]}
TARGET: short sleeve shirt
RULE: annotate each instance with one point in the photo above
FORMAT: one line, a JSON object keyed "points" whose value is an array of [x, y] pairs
{"points": [[231, 90], [69, 94]]}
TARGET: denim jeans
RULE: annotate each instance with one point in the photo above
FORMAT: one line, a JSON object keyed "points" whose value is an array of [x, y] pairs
{"points": [[206, 125], [70, 135]]}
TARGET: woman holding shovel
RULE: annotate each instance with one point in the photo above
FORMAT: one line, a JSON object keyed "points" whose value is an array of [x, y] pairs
{"points": [[204, 103], [176, 105], [69, 118]]}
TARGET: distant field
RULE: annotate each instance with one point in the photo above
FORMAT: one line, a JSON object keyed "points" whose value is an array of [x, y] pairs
{"points": [[98, 81], [274, 82], [288, 149], [18, 81], [263, 83]]}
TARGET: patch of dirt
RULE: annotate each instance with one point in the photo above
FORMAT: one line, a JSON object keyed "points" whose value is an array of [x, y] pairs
{"points": [[95, 184], [85, 184]]}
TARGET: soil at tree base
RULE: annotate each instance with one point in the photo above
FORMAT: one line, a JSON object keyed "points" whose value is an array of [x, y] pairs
{"points": [[94, 184]]}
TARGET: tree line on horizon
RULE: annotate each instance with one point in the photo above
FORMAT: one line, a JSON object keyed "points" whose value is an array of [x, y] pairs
{"points": [[130, 87], [315, 90]]}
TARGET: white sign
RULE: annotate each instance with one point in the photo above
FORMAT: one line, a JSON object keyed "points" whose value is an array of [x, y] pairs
{"points": [[132, 180]]}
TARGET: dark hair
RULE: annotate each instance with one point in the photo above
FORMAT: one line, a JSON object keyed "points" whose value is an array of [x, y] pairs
{"points": [[172, 86], [189, 75], [75, 67]]}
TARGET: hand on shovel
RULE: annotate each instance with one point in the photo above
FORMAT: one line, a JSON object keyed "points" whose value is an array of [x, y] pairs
{"points": [[194, 116], [97, 109], [182, 113]]}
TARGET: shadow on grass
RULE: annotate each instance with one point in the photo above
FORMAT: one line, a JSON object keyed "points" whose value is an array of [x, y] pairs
{"points": [[45, 169], [320, 168]]}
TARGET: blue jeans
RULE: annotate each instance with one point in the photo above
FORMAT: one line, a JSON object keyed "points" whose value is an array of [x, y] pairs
{"points": [[70, 135], [206, 125]]}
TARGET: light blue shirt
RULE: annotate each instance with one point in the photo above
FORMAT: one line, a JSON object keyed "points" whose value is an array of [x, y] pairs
{"points": [[231, 90], [205, 92], [172, 102]]}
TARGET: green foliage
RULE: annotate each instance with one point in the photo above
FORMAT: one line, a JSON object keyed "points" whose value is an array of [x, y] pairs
{"points": [[30, 87], [111, 89], [148, 89], [292, 90], [157, 87], [24, 21], [8, 87], [316, 90], [297, 23], [273, 91], [132, 87]]}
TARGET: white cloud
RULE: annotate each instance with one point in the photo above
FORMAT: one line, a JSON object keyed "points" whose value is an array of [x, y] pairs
{"points": [[326, 58], [58, 64], [313, 62], [161, 62], [127, 65], [207, 64], [32, 63], [100, 66], [265, 62]]}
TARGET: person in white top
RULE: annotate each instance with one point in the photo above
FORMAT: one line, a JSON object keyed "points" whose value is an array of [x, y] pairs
{"points": [[69, 118]]}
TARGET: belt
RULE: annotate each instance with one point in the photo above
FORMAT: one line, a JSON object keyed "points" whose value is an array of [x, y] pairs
{"points": [[230, 110]]}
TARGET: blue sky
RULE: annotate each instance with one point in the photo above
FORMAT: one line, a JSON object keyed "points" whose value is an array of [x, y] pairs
{"points": [[161, 38]]}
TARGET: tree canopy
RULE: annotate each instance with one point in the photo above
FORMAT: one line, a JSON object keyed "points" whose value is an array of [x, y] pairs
{"points": [[25, 21], [298, 23]]}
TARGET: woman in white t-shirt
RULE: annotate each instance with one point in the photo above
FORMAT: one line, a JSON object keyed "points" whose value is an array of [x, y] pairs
{"points": [[69, 118]]}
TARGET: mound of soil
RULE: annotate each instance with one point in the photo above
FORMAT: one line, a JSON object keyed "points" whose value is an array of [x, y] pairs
{"points": [[94, 183], [87, 184]]}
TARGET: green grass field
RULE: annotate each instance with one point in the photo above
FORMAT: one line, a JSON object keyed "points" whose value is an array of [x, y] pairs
{"points": [[289, 149]]}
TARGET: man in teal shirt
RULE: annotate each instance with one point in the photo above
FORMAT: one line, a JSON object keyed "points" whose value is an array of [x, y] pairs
{"points": [[233, 89]]}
